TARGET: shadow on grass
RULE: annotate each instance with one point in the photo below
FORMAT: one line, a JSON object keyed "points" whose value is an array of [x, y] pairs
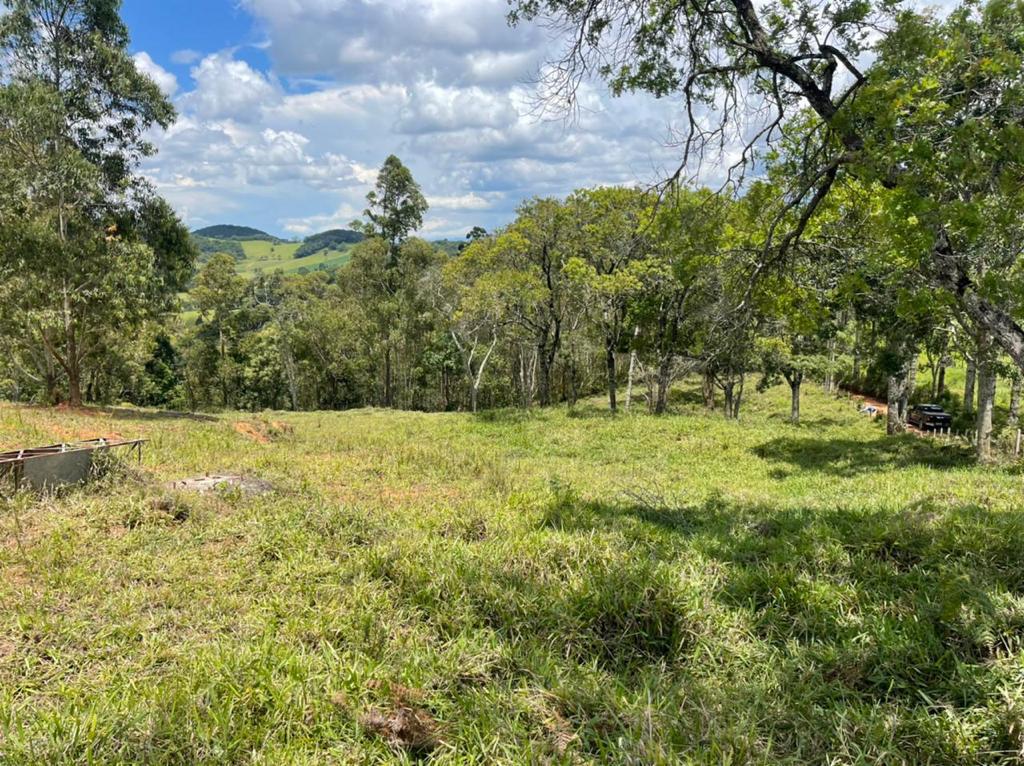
{"points": [[937, 587], [787, 620], [124, 413], [507, 415], [852, 457]]}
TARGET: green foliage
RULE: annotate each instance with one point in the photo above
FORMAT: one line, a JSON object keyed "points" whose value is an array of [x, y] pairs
{"points": [[335, 239], [231, 232], [396, 206], [210, 247]]}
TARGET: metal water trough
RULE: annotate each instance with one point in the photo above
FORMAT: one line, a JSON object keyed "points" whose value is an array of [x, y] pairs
{"points": [[59, 465]]}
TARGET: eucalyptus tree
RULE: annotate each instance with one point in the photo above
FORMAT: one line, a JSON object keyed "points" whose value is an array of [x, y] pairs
{"points": [[475, 297], [395, 206], [91, 252]]}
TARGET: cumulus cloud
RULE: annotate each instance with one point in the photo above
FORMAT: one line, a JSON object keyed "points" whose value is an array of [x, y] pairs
{"points": [[166, 81], [294, 146], [229, 88]]}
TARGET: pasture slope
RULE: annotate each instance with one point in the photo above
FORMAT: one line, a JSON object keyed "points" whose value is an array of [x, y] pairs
{"points": [[263, 257], [547, 587]]}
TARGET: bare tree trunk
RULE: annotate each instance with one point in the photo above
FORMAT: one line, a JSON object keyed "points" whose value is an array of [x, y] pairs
{"points": [[664, 384], [894, 422], [969, 387], [940, 388], [986, 397], [908, 387], [898, 396], [1015, 393], [709, 391], [794, 390], [738, 398], [632, 369], [74, 384], [609, 352], [544, 378], [388, 393], [830, 384]]}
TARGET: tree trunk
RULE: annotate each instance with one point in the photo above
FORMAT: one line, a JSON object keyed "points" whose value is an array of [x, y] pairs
{"points": [[737, 399], [727, 389], [894, 422], [898, 396], [74, 383], [794, 391], [969, 387], [544, 377], [609, 358], [709, 391], [940, 389], [908, 388], [388, 383], [632, 369], [986, 398], [1015, 392], [664, 384]]}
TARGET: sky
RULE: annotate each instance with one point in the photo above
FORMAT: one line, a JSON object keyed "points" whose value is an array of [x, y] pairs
{"points": [[287, 108]]}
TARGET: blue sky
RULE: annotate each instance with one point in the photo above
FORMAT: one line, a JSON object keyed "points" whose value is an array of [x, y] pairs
{"points": [[288, 107]]}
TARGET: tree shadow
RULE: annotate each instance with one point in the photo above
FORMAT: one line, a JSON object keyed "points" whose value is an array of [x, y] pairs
{"points": [[506, 415], [124, 413], [853, 457], [786, 619], [938, 584]]}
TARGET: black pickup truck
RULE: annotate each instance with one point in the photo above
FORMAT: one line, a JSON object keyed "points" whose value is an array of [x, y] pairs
{"points": [[929, 416]]}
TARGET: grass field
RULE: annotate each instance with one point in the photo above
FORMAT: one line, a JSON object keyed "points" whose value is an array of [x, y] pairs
{"points": [[268, 257], [549, 587]]}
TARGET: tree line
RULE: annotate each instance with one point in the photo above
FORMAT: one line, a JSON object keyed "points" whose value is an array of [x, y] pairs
{"points": [[883, 232]]}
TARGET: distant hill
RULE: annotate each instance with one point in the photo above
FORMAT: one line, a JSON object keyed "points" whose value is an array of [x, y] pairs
{"points": [[227, 231], [210, 247], [333, 240]]}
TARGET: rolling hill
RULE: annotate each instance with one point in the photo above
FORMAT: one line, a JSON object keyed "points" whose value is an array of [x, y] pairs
{"points": [[228, 231], [258, 252]]}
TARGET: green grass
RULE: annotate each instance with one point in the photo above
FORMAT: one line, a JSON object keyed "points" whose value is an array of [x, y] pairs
{"points": [[549, 587], [267, 257]]}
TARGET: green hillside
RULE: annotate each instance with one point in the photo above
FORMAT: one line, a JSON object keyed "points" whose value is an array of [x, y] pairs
{"points": [[227, 231], [263, 257]]}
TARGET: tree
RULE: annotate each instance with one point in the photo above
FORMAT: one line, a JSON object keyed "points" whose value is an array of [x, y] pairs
{"points": [[75, 277], [937, 118], [395, 207], [74, 110], [218, 293], [78, 49], [608, 248], [474, 299]]}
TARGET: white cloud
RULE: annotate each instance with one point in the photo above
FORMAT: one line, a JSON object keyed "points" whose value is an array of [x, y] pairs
{"points": [[441, 83], [463, 202], [166, 81], [228, 88], [186, 56]]}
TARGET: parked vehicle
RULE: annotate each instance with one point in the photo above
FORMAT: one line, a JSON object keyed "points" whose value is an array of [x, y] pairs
{"points": [[929, 416]]}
